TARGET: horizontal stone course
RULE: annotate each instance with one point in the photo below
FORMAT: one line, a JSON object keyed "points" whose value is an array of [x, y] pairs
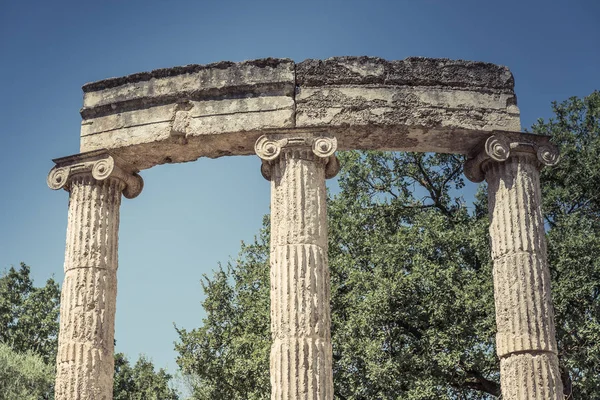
{"points": [[180, 114], [216, 81]]}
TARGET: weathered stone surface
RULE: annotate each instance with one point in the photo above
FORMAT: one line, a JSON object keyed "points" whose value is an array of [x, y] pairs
{"points": [[191, 82], [525, 340], [540, 371], [416, 96], [101, 164], [175, 115], [85, 364], [85, 360], [183, 113], [413, 71], [412, 107], [301, 353]]}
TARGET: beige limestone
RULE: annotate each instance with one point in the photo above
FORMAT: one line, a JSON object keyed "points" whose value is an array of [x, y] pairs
{"points": [[85, 360], [183, 113], [405, 105], [301, 354], [525, 340]]}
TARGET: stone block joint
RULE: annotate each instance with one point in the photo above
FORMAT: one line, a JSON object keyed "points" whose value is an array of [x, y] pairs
{"points": [[526, 335], [85, 358], [182, 113], [301, 352]]}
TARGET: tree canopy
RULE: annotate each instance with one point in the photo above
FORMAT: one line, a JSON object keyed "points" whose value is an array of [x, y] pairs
{"points": [[29, 314], [29, 339], [412, 294], [24, 376], [141, 381]]}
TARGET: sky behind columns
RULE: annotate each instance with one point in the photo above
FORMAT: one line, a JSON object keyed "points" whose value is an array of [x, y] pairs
{"points": [[192, 216]]}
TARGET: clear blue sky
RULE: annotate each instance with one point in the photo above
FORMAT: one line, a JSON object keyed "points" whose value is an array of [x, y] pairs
{"points": [[191, 216]]}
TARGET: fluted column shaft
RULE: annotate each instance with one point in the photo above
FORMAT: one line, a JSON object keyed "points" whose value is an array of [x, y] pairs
{"points": [[85, 364], [85, 359], [301, 353], [525, 339]]}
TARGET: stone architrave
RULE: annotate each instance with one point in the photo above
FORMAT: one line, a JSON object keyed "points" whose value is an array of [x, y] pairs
{"points": [[301, 353], [85, 360], [525, 341], [179, 114]]}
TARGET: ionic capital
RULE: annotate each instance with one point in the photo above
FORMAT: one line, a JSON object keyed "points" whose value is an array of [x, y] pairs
{"points": [[101, 165], [499, 148], [271, 148]]}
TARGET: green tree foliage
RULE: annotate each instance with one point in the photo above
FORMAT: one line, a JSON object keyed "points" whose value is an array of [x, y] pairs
{"points": [[28, 314], [228, 356], [141, 382], [412, 295], [24, 376], [571, 193], [29, 339]]}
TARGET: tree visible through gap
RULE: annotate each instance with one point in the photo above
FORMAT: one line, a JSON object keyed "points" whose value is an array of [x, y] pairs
{"points": [[29, 340], [412, 294]]}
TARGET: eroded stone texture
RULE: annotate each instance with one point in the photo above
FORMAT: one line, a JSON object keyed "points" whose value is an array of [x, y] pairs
{"points": [[175, 114], [416, 92], [412, 71], [531, 376], [85, 359], [183, 113], [525, 340], [301, 353]]}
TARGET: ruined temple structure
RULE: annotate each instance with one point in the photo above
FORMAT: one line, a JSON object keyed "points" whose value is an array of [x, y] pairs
{"points": [[295, 117]]}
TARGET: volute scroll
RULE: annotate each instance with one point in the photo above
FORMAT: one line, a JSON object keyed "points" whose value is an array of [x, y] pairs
{"points": [[101, 165], [499, 148], [269, 149]]}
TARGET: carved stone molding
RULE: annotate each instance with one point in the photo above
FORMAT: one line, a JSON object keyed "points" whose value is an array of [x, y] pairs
{"points": [[101, 164], [500, 148], [270, 148]]}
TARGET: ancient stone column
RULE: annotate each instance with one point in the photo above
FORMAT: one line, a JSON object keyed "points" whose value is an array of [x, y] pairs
{"points": [[525, 340], [85, 360], [301, 354]]}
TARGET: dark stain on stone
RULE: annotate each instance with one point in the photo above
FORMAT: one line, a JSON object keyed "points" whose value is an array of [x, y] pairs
{"points": [[185, 69], [412, 71], [222, 93]]}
